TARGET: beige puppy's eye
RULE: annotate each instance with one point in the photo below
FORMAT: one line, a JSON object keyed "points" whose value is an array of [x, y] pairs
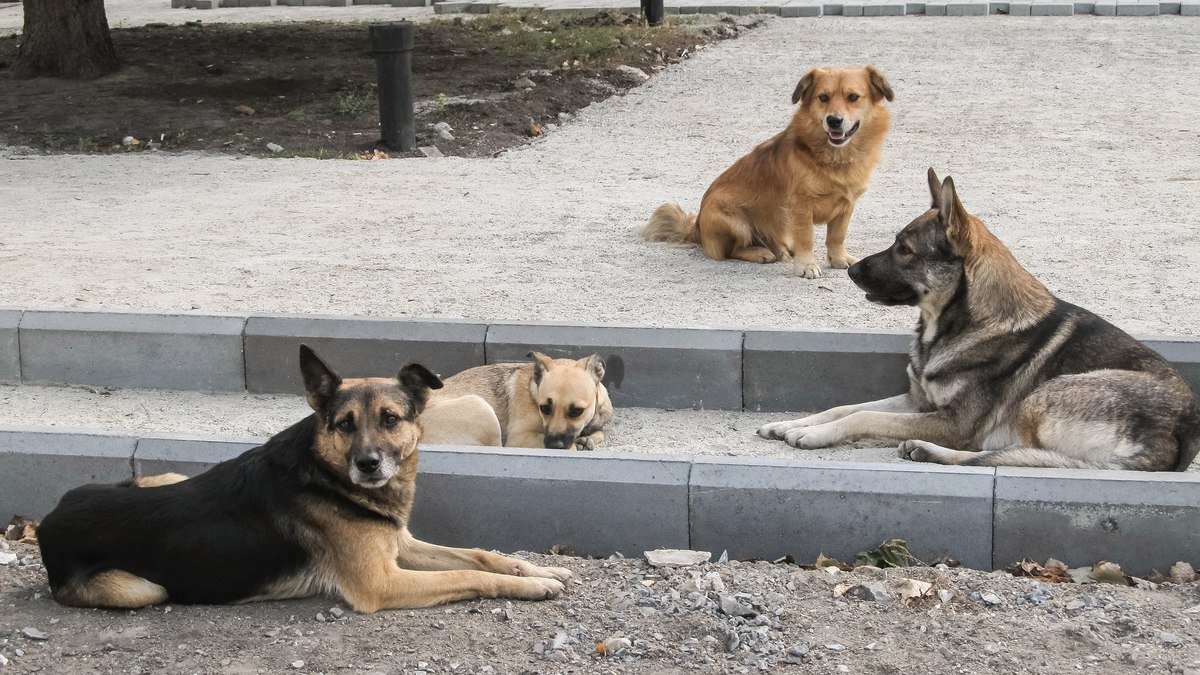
{"points": [[852, 98], [574, 411], [546, 408]]}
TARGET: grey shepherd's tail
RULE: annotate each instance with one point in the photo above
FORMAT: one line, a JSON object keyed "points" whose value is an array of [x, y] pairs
{"points": [[1188, 433], [669, 224]]}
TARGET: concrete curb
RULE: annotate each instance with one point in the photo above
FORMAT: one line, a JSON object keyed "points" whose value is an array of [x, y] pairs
{"points": [[706, 368], [600, 503]]}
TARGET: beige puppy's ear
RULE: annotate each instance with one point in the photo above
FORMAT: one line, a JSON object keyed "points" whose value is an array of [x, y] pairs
{"points": [[541, 364], [879, 85], [804, 88], [594, 365]]}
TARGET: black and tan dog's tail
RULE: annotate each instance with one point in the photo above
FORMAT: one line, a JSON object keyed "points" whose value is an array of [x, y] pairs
{"points": [[670, 224]]}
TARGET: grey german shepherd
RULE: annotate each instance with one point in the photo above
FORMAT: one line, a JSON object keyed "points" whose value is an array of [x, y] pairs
{"points": [[1001, 372]]}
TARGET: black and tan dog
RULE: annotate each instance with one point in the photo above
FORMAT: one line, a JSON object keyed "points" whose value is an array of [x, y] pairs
{"points": [[320, 509], [1000, 365], [547, 403]]}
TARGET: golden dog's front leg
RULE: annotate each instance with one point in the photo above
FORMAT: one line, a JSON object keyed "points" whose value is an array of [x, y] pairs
{"points": [[835, 240], [395, 588], [804, 261], [415, 554]]}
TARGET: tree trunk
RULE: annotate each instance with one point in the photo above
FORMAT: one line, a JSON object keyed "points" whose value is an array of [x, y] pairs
{"points": [[65, 38]]}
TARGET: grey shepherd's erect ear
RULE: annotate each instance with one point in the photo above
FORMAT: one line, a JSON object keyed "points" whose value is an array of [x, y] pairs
{"points": [[416, 380], [953, 216], [935, 188], [320, 381]]}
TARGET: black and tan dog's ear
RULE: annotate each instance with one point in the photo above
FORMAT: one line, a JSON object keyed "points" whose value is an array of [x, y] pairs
{"points": [[935, 188], [416, 380], [804, 88], [541, 363], [953, 216], [879, 85], [320, 381], [594, 365]]}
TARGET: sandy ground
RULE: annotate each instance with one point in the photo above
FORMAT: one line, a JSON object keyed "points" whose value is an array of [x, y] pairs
{"points": [[134, 411], [969, 622], [1072, 137], [130, 13]]}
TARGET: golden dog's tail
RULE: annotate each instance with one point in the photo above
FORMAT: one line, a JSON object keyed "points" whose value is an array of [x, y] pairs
{"points": [[671, 225]]}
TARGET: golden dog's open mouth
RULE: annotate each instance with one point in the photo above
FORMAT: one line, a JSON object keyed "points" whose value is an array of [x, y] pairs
{"points": [[840, 137]]}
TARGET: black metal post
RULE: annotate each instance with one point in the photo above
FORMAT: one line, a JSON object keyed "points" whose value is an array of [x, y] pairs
{"points": [[391, 45], [653, 11]]}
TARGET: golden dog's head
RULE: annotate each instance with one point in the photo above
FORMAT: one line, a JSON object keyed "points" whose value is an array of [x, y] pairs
{"points": [[842, 102], [565, 392], [367, 427]]}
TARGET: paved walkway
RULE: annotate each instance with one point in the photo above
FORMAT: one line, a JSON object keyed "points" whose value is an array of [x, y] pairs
{"points": [[852, 8]]}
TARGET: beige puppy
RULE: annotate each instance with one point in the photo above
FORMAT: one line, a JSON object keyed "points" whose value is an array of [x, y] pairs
{"points": [[548, 403]]}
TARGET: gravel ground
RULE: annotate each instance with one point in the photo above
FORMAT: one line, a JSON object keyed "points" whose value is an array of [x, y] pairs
{"points": [[1071, 136], [969, 622], [130, 13], [646, 430]]}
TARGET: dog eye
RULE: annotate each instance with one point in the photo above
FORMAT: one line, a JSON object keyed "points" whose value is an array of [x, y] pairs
{"points": [[346, 425], [903, 249], [390, 420], [852, 98], [824, 98], [546, 408], [574, 412]]}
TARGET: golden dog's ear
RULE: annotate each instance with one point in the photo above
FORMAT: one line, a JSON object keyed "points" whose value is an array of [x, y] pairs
{"points": [[935, 188], [953, 216], [320, 381], [594, 365], [541, 363], [416, 380], [804, 87], [879, 85]]}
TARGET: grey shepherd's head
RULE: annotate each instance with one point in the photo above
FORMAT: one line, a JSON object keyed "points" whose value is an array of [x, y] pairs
{"points": [[924, 265]]}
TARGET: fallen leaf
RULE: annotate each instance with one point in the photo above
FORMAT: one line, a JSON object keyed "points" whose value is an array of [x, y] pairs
{"points": [[1053, 571], [912, 590], [840, 589], [1182, 573], [244, 109], [1109, 573], [891, 553], [21, 529], [823, 561]]}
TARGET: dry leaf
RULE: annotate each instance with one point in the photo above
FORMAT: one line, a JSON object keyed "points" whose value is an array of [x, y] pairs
{"points": [[1053, 571], [21, 529], [1109, 573], [244, 109], [1182, 573], [912, 590], [823, 561], [891, 553], [840, 589], [534, 127]]}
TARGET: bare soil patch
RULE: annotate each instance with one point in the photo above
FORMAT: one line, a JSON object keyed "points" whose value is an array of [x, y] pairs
{"points": [[310, 88]]}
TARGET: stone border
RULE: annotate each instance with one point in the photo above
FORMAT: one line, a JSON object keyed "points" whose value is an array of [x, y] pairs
{"points": [[701, 368], [783, 8], [601, 503]]}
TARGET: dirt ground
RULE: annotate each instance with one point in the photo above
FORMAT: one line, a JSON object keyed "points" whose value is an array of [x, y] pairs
{"points": [[1035, 121], [967, 622], [497, 81]]}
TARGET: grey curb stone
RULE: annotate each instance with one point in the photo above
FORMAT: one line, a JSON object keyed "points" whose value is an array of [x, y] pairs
{"points": [[594, 503], [1052, 9], [884, 9], [1183, 353], [134, 350], [1189, 8], [1168, 7], [185, 454], [831, 10], [1019, 8], [1084, 7], [1105, 9], [648, 367], [795, 11], [355, 347], [852, 9], [1141, 522], [914, 8], [771, 508], [966, 9], [835, 369], [1134, 8], [10, 345], [998, 8], [38, 465], [451, 7], [935, 9]]}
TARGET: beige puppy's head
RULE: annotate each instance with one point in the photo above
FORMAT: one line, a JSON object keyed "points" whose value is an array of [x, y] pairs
{"points": [[839, 103], [565, 392]]}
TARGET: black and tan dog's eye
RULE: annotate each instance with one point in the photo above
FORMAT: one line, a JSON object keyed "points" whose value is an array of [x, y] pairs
{"points": [[546, 408], [852, 98], [574, 411], [346, 425], [903, 249], [824, 98], [390, 420]]}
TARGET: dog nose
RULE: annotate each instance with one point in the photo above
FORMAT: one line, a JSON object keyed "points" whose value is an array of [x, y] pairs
{"points": [[834, 122], [367, 464], [855, 271], [559, 441]]}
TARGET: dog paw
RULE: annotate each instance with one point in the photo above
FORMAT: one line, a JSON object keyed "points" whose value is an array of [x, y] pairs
{"points": [[585, 443], [523, 568], [775, 430], [915, 451], [537, 588], [840, 261], [808, 270], [810, 438]]}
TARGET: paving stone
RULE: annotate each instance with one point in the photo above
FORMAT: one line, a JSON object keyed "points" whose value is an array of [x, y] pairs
{"points": [[914, 8], [884, 9], [1169, 7], [793, 11], [1189, 8], [966, 9], [935, 9], [811, 371], [1105, 9], [998, 8], [1129, 8], [518, 499], [1141, 521], [451, 7], [1019, 8], [650, 367], [178, 4], [852, 9], [769, 508], [831, 10], [37, 466], [1052, 9], [133, 350], [10, 350], [188, 455], [1085, 8], [362, 347]]}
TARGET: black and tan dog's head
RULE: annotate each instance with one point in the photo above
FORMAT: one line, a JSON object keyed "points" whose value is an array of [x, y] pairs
{"points": [[838, 103], [565, 392], [925, 264], [367, 426]]}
